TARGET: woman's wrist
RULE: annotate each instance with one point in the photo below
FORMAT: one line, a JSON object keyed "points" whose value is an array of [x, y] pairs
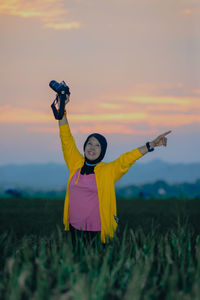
{"points": [[152, 144], [64, 119], [144, 148]]}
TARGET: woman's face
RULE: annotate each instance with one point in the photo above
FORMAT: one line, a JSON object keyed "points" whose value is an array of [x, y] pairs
{"points": [[92, 148]]}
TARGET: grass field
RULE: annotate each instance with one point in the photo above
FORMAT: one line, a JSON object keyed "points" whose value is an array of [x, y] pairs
{"points": [[155, 253]]}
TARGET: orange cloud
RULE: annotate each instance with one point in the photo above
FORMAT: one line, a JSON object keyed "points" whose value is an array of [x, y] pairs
{"points": [[110, 105], [51, 12], [108, 117], [188, 11], [137, 115], [9, 114], [155, 89], [174, 120], [151, 100]]}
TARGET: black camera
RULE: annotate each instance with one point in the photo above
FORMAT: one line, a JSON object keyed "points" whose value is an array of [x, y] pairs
{"points": [[62, 90]]}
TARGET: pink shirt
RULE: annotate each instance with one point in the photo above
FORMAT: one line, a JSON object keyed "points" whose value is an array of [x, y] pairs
{"points": [[84, 203]]}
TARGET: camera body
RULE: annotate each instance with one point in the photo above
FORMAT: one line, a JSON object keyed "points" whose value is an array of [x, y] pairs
{"points": [[62, 90], [59, 88]]}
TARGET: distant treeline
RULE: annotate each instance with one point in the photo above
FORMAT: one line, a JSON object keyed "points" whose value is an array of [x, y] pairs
{"points": [[160, 189]]}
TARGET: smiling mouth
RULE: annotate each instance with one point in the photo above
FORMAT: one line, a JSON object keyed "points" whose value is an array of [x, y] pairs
{"points": [[91, 153]]}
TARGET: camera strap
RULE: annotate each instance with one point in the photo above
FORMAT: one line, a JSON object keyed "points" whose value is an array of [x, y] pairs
{"points": [[59, 114]]}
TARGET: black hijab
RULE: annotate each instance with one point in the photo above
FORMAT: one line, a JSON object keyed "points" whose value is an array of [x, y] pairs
{"points": [[88, 167]]}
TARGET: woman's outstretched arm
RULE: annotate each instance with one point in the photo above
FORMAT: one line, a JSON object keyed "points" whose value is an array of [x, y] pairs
{"points": [[122, 164]]}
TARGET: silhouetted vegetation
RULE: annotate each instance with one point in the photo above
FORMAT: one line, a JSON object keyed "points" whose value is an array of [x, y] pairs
{"points": [[154, 254]]}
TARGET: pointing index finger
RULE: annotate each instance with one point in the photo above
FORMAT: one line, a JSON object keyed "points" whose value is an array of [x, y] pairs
{"points": [[167, 132]]}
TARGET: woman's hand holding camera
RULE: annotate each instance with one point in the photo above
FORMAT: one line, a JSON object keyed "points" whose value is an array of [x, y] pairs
{"points": [[58, 100], [64, 119]]}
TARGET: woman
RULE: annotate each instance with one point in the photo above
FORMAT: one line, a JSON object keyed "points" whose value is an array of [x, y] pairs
{"points": [[90, 201]]}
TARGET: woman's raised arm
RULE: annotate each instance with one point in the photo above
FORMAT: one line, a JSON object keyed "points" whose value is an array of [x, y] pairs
{"points": [[70, 151]]}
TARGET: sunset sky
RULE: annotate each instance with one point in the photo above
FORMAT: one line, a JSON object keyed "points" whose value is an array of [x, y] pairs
{"points": [[133, 68]]}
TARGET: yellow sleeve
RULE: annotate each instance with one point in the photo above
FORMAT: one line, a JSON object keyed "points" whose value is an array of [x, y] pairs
{"points": [[70, 151], [122, 164]]}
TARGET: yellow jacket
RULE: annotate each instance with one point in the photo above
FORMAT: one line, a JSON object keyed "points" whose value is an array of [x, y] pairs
{"points": [[106, 175]]}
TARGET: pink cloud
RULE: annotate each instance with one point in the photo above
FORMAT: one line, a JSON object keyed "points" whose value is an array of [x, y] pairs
{"points": [[114, 128], [43, 129], [62, 26], [196, 92]]}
